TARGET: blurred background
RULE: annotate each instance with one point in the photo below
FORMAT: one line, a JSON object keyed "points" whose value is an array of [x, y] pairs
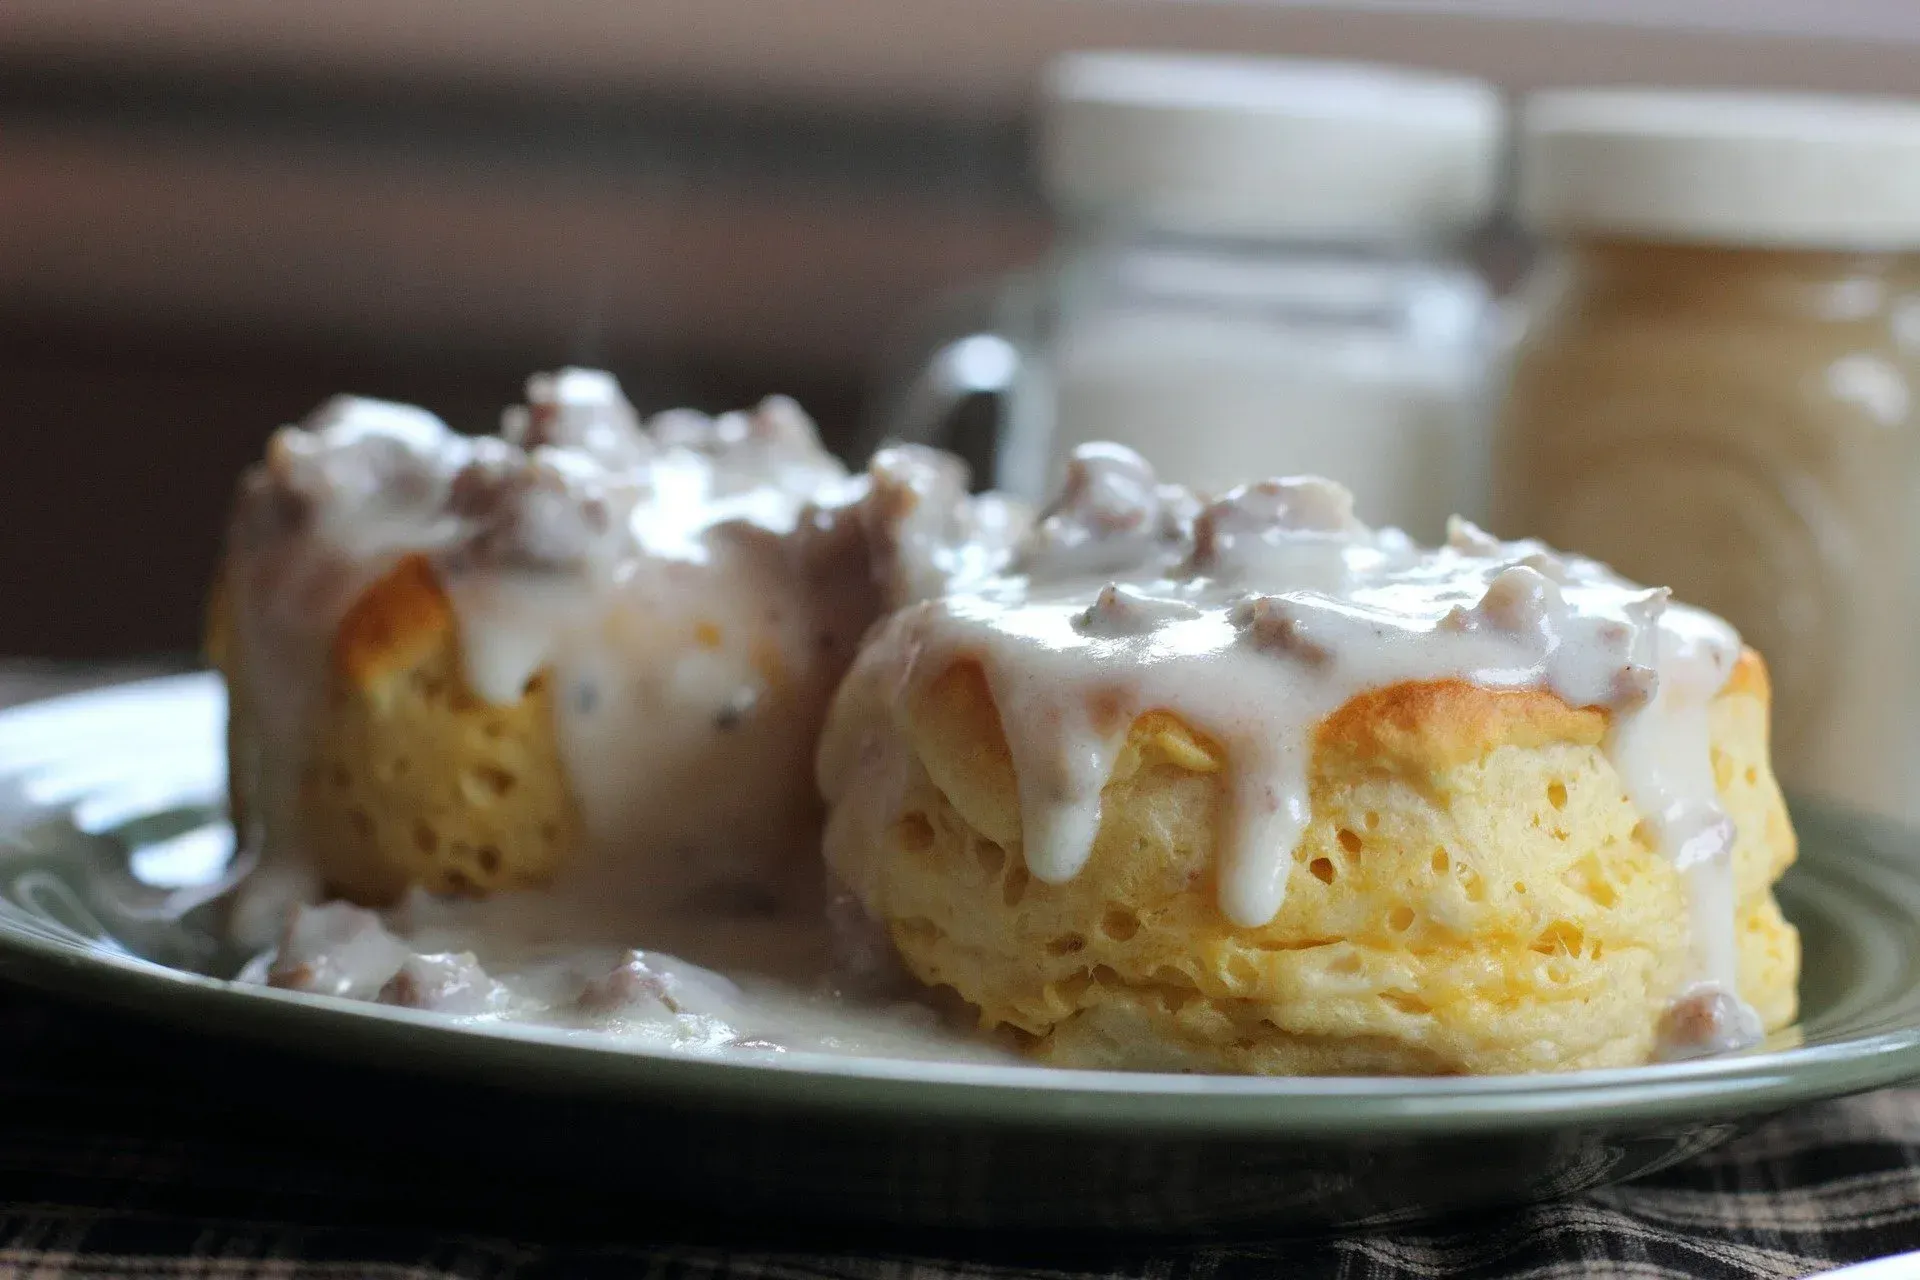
{"points": [[214, 214]]}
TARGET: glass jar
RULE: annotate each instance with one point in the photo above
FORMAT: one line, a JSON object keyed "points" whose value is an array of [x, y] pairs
{"points": [[1715, 392], [1255, 276]]}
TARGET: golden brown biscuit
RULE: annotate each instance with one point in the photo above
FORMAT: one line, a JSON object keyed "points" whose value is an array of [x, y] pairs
{"points": [[1242, 784], [1474, 892]]}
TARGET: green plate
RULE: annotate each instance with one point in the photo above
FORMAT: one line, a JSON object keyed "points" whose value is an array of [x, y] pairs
{"points": [[110, 817]]}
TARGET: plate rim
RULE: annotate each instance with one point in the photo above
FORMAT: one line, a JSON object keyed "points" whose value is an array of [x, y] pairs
{"points": [[1017, 1095]]}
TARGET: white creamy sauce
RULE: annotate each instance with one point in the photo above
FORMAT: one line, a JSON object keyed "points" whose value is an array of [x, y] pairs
{"points": [[1260, 615]]}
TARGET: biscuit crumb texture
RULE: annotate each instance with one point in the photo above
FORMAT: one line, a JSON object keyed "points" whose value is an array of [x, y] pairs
{"points": [[1474, 894], [409, 777]]}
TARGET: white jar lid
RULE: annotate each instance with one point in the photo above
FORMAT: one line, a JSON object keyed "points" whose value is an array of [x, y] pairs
{"points": [[1749, 169], [1267, 147]]}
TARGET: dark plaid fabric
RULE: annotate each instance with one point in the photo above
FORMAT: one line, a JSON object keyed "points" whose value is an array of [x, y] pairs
{"points": [[131, 1150]]}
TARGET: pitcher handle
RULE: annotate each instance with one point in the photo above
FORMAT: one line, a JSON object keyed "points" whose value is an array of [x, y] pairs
{"points": [[967, 351], [973, 364]]}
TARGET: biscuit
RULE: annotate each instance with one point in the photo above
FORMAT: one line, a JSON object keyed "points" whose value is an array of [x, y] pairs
{"points": [[1470, 895], [409, 777], [1287, 824], [591, 649]]}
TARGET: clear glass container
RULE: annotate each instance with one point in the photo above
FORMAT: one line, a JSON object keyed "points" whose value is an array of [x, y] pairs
{"points": [[1255, 275], [1228, 360], [1715, 391]]}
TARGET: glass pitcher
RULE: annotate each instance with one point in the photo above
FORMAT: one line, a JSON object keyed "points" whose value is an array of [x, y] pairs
{"points": [[1294, 307]]}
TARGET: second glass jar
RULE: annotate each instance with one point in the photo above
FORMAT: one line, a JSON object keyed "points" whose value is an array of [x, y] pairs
{"points": [[1716, 392]]}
